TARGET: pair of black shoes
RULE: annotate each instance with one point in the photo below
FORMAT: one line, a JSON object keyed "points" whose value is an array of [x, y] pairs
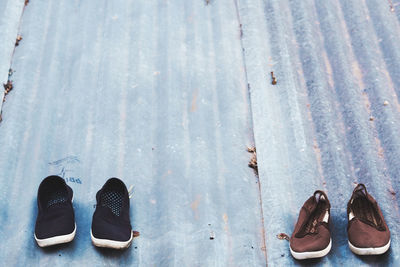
{"points": [[55, 223]]}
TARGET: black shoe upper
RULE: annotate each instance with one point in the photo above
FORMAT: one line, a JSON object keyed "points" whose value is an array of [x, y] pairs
{"points": [[55, 212], [111, 218]]}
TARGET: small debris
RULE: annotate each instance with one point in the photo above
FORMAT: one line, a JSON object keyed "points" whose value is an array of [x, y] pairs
{"points": [[19, 38], [253, 160], [7, 88], [135, 234], [212, 235], [282, 255], [385, 103], [26, 2], [371, 118], [241, 30], [391, 5], [283, 236], [392, 192], [274, 81], [207, 2], [251, 149]]}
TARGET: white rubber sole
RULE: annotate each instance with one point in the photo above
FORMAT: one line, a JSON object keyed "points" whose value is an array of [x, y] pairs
{"points": [[55, 240], [106, 243], [369, 251], [311, 254]]}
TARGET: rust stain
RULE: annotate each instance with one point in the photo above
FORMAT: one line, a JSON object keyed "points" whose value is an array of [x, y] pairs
{"points": [[225, 218], [169, 172], [392, 192], [195, 205], [190, 18], [357, 73], [262, 228], [226, 229], [194, 100], [381, 152], [328, 70]]}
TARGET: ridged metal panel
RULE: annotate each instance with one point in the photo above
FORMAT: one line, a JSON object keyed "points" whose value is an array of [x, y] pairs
{"points": [[153, 92], [10, 15], [157, 93], [324, 125]]}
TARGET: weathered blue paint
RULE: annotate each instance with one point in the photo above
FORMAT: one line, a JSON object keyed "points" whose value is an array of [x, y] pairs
{"points": [[10, 15], [153, 92], [158, 93], [335, 62]]}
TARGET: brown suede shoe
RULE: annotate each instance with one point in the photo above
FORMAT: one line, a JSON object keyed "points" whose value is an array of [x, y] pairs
{"points": [[311, 237], [367, 230]]}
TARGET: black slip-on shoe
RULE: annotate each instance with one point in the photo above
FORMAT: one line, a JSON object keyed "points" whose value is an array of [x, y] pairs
{"points": [[111, 226], [55, 223]]}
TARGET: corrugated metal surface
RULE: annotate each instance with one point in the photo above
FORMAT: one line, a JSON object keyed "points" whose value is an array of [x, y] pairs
{"points": [[10, 15], [336, 63], [155, 92]]}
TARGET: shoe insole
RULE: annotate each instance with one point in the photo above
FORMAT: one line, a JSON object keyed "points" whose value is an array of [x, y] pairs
{"points": [[112, 200], [364, 210]]}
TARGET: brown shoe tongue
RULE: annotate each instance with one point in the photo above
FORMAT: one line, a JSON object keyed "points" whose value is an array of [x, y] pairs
{"points": [[311, 204]]}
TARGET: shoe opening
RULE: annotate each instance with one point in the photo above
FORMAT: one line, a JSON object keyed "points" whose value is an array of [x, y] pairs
{"points": [[363, 209], [112, 196]]}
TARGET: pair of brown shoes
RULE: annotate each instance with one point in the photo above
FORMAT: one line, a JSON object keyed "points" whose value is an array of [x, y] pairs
{"points": [[367, 230]]}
